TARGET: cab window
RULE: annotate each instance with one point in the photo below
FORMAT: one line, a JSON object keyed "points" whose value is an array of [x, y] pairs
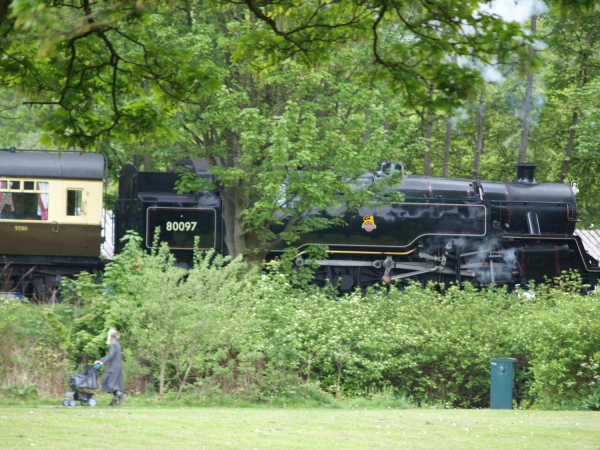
{"points": [[74, 197]]}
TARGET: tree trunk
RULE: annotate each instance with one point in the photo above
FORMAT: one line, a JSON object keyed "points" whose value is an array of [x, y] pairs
{"points": [[141, 382], [569, 152], [228, 220], [240, 241], [581, 80], [339, 379], [427, 168], [187, 372], [4, 5], [447, 146], [528, 101], [146, 162], [479, 144], [163, 370], [136, 161]]}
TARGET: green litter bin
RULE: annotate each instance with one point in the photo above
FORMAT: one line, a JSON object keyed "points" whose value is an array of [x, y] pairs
{"points": [[502, 383]]}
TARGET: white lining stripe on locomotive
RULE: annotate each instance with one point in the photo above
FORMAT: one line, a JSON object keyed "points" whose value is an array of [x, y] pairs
{"points": [[307, 244]]}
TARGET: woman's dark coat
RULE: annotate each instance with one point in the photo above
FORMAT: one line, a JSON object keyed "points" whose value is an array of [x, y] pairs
{"points": [[113, 374]]}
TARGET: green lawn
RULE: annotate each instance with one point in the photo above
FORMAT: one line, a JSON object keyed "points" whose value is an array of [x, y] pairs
{"points": [[135, 427]]}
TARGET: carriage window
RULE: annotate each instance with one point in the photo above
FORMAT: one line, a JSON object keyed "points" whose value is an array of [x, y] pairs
{"points": [[24, 206], [16, 185], [74, 202], [3, 184], [28, 185]]}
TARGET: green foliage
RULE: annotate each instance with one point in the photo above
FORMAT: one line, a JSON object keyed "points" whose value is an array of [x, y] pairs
{"points": [[288, 141], [100, 70], [222, 331], [34, 346], [592, 401], [19, 392], [412, 45]]}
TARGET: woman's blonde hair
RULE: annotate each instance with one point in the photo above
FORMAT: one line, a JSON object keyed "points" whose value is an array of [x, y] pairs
{"points": [[112, 336]]}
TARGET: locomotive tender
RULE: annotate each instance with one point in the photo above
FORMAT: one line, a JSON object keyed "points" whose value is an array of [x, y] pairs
{"points": [[444, 230]]}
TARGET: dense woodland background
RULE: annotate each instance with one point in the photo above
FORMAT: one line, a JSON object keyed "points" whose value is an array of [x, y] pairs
{"points": [[262, 89]]}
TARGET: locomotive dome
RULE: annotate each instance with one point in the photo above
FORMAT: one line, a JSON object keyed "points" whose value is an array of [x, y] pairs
{"points": [[67, 165]]}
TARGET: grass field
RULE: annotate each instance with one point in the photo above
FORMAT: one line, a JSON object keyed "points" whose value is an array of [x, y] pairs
{"points": [[135, 427]]}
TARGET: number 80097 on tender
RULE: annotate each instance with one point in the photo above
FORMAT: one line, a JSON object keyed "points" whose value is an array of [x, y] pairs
{"points": [[181, 226]]}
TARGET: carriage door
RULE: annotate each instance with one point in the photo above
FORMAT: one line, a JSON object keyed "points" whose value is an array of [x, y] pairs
{"points": [[72, 225]]}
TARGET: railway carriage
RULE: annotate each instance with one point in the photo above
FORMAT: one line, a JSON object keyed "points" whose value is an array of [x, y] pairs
{"points": [[50, 217]]}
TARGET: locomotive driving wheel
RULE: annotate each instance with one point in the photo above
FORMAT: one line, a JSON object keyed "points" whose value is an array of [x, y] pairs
{"points": [[321, 275], [369, 276], [343, 278]]}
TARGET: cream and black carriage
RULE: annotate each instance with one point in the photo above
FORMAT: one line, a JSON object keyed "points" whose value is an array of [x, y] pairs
{"points": [[50, 218]]}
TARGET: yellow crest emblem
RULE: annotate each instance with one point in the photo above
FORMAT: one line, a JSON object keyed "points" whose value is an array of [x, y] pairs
{"points": [[369, 223]]}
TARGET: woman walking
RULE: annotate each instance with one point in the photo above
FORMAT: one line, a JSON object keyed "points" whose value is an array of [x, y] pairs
{"points": [[112, 381]]}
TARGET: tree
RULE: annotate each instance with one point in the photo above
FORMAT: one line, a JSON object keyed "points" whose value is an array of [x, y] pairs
{"points": [[428, 134], [583, 50], [99, 71], [528, 100], [447, 143], [17, 122], [288, 143], [413, 44], [479, 143]]}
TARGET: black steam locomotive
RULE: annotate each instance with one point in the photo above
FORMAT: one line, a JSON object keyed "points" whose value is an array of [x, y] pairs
{"points": [[444, 230]]}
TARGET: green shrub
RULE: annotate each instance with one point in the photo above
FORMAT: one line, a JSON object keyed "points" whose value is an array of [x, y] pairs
{"points": [[221, 332], [19, 392], [563, 331]]}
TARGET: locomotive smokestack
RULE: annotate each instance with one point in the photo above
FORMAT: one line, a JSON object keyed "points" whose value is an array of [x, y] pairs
{"points": [[526, 173]]}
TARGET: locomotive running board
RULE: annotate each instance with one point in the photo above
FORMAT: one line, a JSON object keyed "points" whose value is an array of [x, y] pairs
{"points": [[417, 268]]}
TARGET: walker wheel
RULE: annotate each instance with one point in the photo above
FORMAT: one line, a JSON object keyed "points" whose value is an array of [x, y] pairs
{"points": [[84, 403], [92, 402], [72, 403], [65, 402]]}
